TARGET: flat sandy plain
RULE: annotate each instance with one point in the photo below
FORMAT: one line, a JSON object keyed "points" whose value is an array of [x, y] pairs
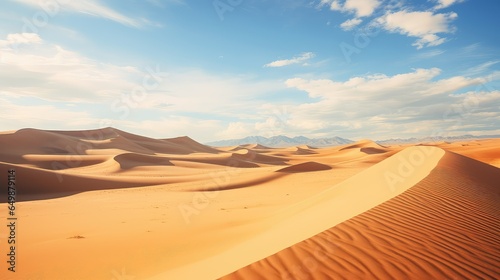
{"points": [[107, 204]]}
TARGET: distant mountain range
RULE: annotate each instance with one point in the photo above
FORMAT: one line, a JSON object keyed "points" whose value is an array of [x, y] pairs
{"points": [[284, 141], [434, 139]]}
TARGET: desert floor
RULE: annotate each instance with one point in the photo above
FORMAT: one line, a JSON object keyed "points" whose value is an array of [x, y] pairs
{"points": [[106, 204]]}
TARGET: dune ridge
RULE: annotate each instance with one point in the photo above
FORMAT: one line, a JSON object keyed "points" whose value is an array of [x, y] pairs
{"points": [[294, 223], [305, 167], [444, 227]]}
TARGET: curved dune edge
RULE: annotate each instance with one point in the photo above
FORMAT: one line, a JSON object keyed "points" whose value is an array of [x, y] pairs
{"points": [[309, 166], [298, 222], [444, 227]]}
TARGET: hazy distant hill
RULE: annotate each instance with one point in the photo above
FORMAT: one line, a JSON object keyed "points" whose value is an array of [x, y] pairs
{"points": [[434, 139], [282, 141]]}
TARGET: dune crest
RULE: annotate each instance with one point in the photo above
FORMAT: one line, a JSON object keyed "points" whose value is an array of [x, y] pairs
{"points": [[444, 227], [309, 166], [294, 224]]}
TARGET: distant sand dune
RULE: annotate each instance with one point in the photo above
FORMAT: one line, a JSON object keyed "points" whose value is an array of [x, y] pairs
{"points": [[31, 141], [304, 151], [487, 150], [185, 141], [371, 150], [307, 147], [305, 167], [363, 144], [249, 155], [131, 160], [255, 147]]}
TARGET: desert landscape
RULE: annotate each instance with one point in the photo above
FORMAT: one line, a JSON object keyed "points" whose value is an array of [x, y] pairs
{"points": [[107, 204], [249, 140]]}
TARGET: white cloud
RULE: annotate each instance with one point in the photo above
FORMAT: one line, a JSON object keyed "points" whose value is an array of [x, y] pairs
{"points": [[15, 116], [213, 94], [236, 130], [428, 40], [135, 99], [20, 38], [400, 17], [324, 3], [36, 68], [295, 60], [423, 25], [415, 85], [350, 24], [380, 106], [52, 73], [90, 7], [361, 8], [445, 3]]}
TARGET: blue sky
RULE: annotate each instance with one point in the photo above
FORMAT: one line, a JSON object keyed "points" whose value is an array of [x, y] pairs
{"points": [[227, 69]]}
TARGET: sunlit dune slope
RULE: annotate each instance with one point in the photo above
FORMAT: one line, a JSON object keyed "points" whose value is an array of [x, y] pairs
{"points": [[313, 215], [445, 227]]}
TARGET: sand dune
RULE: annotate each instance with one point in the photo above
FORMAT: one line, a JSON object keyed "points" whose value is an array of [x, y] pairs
{"points": [[306, 167], [293, 224], [41, 181], [104, 202], [444, 227], [252, 156], [47, 161], [487, 150], [255, 147], [307, 147], [131, 160], [31, 141], [303, 151], [362, 144], [366, 146], [183, 142]]}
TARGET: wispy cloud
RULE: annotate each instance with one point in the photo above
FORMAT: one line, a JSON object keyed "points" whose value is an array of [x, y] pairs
{"points": [[350, 23], [423, 25], [163, 3], [481, 68], [90, 7], [445, 3], [428, 54], [361, 8], [295, 60], [471, 48]]}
